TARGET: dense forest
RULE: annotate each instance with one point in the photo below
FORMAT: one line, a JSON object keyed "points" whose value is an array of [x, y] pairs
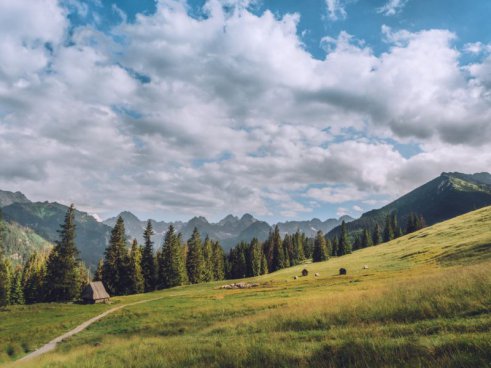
{"points": [[59, 276]]}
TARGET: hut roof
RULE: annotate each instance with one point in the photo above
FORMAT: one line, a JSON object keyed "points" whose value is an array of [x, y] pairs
{"points": [[95, 291]]}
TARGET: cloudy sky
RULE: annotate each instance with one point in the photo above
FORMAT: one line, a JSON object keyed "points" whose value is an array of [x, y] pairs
{"points": [[280, 108]]}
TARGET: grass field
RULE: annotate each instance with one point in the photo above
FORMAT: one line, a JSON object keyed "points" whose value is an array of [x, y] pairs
{"points": [[424, 301]]}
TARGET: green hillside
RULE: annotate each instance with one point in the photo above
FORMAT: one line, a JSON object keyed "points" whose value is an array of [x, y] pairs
{"points": [[447, 196], [45, 219], [422, 300], [19, 242]]}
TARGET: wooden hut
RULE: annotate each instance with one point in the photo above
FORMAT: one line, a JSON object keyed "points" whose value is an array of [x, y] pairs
{"points": [[95, 292], [305, 272]]}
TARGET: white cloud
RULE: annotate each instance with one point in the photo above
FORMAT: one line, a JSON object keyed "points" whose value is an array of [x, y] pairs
{"points": [[234, 115], [336, 9], [392, 7]]}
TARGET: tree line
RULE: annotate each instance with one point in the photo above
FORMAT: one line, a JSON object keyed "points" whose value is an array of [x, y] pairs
{"points": [[60, 275]]}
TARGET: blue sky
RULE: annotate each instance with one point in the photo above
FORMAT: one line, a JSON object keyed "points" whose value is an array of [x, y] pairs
{"points": [[285, 109]]}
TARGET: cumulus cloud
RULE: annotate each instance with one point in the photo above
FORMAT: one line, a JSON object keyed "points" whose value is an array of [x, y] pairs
{"points": [[176, 116], [336, 9], [392, 7]]}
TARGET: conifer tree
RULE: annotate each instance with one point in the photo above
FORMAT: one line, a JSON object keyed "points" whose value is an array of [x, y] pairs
{"points": [[218, 261], [16, 291], [63, 281], [98, 271], [264, 265], [320, 252], [298, 251], [195, 260], [344, 245], [137, 282], [5, 281], [366, 238], [256, 256], [388, 230], [377, 235], [33, 278], [208, 260], [278, 261], [289, 252], [148, 259], [116, 273], [395, 225], [335, 246], [172, 271]]}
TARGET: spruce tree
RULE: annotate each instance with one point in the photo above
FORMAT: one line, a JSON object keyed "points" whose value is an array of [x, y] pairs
{"points": [[218, 261], [63, 281], [320, 252], [298, 251], [278, 261], [395, 225], [256, 256], [208, 260], [388, 230], [377, 235], [137, 282], [99, 271], [33, 279], [115, 275], [195, 261], [335, 246], [172, 271], [366, 238], [5, 281], [16, 291], [289, 251], [264, 265], [148, 259], [344, 246]]}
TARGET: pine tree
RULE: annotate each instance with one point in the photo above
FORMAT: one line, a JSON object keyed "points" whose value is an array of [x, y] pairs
{"points": [[137, 282], [320, 252], [395, 225], [218, 261], [99, 270], [278, 261], [289, 252], [344, 246], [63, 281], [195, 261], [172, 271], [335, 246], [208, 260], [256, 256], [115, 275], [366, 238], [16, 291], [5, 281], [388, 230], [376, 236], [298, 251], [264, 265], [148, 259], [33, 278]]}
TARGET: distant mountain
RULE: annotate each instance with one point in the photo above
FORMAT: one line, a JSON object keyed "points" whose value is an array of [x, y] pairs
{"points": [[445, 197], [19, 242], [7, 198], [229, 231], [45, 219], [311, 227]]}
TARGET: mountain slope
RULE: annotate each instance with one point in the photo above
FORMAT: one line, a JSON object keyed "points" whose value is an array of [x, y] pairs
{"points": [[7, 198], [19, 242], [45, 219], [445, 197]]}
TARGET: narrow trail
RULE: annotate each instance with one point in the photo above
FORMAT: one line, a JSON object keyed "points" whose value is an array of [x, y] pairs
{"points": [[53, 343]]}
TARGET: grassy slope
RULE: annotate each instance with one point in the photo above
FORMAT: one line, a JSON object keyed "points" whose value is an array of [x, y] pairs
{"points": [[425, 300]]}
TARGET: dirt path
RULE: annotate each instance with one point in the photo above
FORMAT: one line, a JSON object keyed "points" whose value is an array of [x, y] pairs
{"points": [[52, 344]]}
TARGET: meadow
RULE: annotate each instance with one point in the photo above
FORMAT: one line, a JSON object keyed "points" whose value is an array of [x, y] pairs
{"points": [[423, 301]]}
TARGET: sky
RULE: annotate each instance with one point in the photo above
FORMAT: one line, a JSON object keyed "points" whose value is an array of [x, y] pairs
{"points": [[284, 109]]}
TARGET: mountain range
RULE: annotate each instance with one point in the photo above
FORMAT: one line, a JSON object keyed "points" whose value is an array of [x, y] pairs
{"points": [[37, 223], [447, 196]]}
